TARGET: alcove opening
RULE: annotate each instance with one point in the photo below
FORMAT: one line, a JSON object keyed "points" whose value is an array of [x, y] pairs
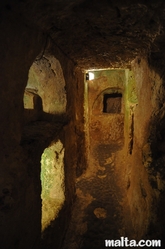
{"points": [[45, 93], [52, 181], [44, 116], [112, 103]]}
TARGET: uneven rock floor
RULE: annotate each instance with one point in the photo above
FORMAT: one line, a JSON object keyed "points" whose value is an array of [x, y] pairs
{"points": [[98, 212]]}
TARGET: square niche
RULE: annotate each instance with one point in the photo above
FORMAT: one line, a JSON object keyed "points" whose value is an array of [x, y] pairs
{"points": [[112, 102]]}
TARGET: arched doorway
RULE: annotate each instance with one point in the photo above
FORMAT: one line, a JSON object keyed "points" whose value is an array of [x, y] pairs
{"points": [[44, 111]]}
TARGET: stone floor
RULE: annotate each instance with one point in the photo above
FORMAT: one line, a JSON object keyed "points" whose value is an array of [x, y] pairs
{"points": [[98, 212]]}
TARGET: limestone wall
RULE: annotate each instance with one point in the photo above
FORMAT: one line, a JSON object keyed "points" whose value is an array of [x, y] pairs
{"points": [[142, 176], [22, 145]]}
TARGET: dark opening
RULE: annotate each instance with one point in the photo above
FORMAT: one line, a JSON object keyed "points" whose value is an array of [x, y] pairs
{"points": [[87, 76], [112, 103]]}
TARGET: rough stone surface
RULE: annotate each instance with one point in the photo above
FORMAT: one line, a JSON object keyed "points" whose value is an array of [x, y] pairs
{"points": [[82, 34], [46, 79], [104, 34]]}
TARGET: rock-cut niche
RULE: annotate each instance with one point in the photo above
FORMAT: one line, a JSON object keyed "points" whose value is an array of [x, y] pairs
{"points": [[112, 103], [44, 102], [45, 90]]}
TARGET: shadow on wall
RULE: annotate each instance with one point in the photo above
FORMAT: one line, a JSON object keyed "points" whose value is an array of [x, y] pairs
{"points": [[33, 110]]}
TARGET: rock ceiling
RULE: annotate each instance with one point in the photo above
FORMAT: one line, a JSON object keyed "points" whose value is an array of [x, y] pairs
{"points": [[97, 33]]}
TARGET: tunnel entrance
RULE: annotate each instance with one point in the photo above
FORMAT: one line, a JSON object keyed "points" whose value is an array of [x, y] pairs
{"points": [[98, 212], [44, 118]]}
